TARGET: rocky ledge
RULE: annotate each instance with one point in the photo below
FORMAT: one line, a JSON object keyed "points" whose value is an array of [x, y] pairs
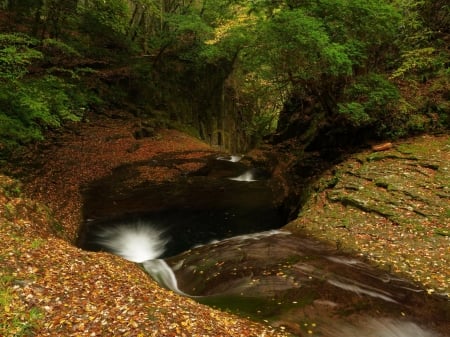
{"points": [[390, 204]]}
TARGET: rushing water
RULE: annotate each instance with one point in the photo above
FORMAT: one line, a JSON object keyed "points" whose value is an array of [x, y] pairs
{"points": [[137, 241], [214, 239], [307, 286]]}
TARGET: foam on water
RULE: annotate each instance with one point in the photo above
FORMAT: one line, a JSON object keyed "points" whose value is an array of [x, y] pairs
{"points": [[232, 158], [137, 242], [258, 235], [247, 176], [244, 237], [142, 243]]}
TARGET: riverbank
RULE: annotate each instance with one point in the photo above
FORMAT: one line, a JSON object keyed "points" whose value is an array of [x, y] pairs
{"points": [[51, 288], [391, 207]]}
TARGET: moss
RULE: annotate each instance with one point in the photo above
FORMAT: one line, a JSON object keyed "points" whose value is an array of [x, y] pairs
{"points": [[389, 204]]}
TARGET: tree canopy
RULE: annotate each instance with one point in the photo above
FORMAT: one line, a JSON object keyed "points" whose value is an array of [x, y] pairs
{"points": [[378, 65]]}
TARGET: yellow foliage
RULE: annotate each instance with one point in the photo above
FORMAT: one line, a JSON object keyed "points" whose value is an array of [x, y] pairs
{"points": [[241, 19]]}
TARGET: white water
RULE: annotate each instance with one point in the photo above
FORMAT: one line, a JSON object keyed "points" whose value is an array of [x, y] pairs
{"points": [[361, 290], [232, 158], [143, 244], [136, 242], [244, 237], [247, 176], [257, 236], [160, 271]]}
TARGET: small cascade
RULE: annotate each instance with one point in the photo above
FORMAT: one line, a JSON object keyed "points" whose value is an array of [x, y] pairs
{"points": [[292, 281], [140, 242], [137, 242], [250, 268], [247, 176], [160, 271], [232, 158]]}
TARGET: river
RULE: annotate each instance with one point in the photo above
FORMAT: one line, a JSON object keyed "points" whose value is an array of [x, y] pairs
{"points": [[216, 237]]}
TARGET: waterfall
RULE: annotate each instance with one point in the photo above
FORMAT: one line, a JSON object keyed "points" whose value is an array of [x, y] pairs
{"points": [[160, 271], [137, 242], [142, 243], [247, 176], [232, 158]]}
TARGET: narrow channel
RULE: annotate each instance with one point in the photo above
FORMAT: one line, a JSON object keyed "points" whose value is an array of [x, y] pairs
{"points": [[217, 237]]}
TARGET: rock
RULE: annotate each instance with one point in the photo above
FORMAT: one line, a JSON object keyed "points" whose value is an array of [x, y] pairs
{"points": [[390, 206]]}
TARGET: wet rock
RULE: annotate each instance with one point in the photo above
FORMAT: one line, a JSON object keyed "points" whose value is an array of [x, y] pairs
{"points": [[306, 287]]}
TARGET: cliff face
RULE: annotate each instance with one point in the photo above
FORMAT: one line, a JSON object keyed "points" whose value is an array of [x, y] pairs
{"points": [[391, 205], [199, 99]]}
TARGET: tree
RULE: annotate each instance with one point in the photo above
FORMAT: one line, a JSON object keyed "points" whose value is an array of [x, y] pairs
{"points": [[29, 105], [315, 50]]}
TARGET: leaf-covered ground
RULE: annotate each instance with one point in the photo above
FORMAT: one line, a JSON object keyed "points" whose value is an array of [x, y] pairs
{"points": [[49, 287], [392, 207]]}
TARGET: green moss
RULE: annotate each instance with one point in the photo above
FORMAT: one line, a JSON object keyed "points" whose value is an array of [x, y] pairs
{"points": [[443, 231], [18, 320], [382, 184]]}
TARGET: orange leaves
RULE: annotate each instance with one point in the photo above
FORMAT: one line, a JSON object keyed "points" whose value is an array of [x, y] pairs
{"points": [[81, 293]]}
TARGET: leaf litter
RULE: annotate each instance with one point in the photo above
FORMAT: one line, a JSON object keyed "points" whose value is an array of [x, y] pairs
{"points": [[49, 287]]}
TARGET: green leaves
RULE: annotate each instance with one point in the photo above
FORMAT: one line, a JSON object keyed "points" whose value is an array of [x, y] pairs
{"points": [[109, 15], [106, 22], [30, 105], [355, 113], [16, 54], [371, 100]]}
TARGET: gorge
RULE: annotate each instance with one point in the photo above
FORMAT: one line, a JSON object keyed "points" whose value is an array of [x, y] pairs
{"points": [[223, 168], [216, 239]]}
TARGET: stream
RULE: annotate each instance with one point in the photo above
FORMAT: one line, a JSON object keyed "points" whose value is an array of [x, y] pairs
{"points": [[215, 236]]}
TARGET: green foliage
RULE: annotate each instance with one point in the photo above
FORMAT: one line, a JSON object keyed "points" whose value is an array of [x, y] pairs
{"points": [[312, 46], [16, 54], [372, 100], [332, 52], [57, 47], [300, 48], [110, 15], [262, 124], [106, 22], [417, 61], [31, 104], [29, 107], [183, 35], [421, 53], [355, 113]]}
